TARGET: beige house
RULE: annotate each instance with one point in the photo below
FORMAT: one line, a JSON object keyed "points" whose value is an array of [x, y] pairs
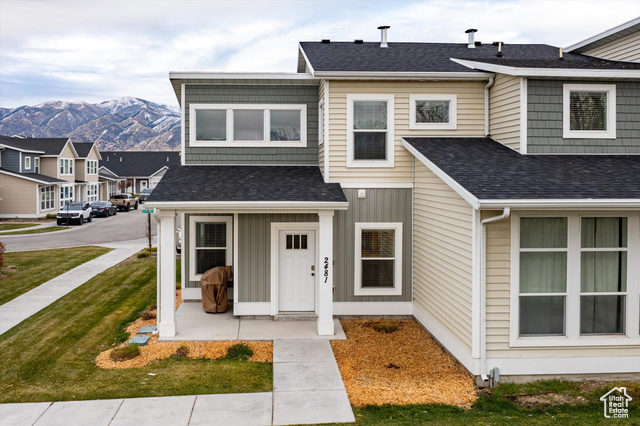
{"points": [[87, 180]]}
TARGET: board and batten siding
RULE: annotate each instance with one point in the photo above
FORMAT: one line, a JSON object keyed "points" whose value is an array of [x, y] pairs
{"points": [[498, 304], [443, 250], [470, 118], [624, 49], [504, 111], [379, 205], [544, 120], [254, 94]]}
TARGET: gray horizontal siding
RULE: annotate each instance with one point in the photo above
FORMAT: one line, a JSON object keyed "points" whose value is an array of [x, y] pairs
{"points": [[11, 160], [544, 120], [380, 205], [254, 253], [254, 94]]}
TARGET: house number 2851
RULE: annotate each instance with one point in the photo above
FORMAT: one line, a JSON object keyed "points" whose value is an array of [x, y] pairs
{"points": [[326, 269]]}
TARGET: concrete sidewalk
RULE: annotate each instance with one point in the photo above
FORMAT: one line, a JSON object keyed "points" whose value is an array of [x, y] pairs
{"points": [[27, 304], [307, 389]]}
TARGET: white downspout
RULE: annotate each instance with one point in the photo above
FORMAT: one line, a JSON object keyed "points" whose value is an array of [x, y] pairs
{"points": [[486, 105], [483, 292]]}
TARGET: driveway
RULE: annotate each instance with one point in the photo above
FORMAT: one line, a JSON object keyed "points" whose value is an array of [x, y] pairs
{"points": [[122, 227]]}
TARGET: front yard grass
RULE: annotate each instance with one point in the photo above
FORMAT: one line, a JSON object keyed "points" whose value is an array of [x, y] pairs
{"points": [[37, 231], [26, 270], [11, 226], [51, 355]]}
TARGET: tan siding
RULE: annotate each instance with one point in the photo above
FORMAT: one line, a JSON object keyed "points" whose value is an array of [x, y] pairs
{"points": [[470, 123], [504, 110], [49, 166], [17, 196], [498, 304], [93, 155], [443, 244], [81, 169], [624, 49]]}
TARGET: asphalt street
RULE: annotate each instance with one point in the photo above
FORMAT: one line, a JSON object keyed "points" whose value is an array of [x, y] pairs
{"points": [[122, 227]]}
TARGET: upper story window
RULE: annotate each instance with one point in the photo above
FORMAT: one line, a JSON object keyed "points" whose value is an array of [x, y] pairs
{"points": [[27, 163], [66, 166], [36, 165], [248, 125], [438, 112], [589, 111], [370, 125], [92, 167]]}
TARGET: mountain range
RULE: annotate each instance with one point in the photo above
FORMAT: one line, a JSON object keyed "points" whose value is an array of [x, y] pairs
{"points": [[125, 124]]}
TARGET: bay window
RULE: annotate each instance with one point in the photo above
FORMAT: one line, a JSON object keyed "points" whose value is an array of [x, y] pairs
{"points": [[378, 259], [370, 130], [227, 125]]}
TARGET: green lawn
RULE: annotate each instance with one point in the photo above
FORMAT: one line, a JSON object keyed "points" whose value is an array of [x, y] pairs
{"points": [[33, 268], [10, 226], [50, 356], [37, 231]]}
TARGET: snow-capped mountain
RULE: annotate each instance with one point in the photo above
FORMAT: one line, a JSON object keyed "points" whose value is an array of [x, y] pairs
{"points": [[121, 124]]}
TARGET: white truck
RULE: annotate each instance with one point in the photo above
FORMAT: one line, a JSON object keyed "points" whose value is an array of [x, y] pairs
{"points": [[124, 202]]}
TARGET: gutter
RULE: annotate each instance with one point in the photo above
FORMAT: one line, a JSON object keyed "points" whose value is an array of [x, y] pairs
{"points": [[483, 293], [403, 75], [486, 105], [248, 205]]}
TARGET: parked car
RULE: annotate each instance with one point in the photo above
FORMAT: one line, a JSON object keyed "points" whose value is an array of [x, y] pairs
{"points": [[145, 194], [124, 202], [103, 208], [74, 212]]}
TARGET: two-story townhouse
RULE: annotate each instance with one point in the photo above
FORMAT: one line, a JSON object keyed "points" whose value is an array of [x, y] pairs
{"points": [[36, 175], [489, 190], [87, 180], [141, 169]]}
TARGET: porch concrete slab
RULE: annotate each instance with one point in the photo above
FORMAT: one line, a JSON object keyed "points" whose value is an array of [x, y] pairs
{"points": [[306, 376], [196, 325], [248, 409], [273, 330], [302, 351], [168, 410], [311, 407], [22, 414], [80, 413]]}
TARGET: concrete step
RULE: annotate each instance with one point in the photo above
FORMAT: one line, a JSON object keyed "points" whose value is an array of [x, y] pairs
{"points": [[296, 316]]}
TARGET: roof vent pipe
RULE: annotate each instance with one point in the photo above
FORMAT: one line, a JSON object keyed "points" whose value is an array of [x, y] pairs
{"points": [[383, 35], [561, 54], [472, 43]]}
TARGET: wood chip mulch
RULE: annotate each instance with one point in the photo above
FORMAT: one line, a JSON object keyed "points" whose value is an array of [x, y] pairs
{"points": [[403, 367], [154, 350]]}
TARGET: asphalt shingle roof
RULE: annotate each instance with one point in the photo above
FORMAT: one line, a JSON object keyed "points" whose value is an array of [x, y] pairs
{"points": [[435, 57], [83, 148], [50, 146], [138, 163], [36, 176], [492, 171], [246, 183]]}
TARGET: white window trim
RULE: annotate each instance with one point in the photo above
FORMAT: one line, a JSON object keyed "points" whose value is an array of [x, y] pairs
{"points": [[193, 220], [389, 162], [321, 122], [51, 189], [66, 164], [92, 167], [453, 112], [397, 279], [27, 163], [572, 307], [61, 200], [92, 192], [36, 165], [230, 143], [610, 133]]}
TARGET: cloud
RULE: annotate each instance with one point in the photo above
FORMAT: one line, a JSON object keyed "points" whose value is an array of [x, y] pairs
{"points": [[98, 50]]}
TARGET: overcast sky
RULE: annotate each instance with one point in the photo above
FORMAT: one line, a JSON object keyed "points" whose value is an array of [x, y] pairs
{"points": [[102, 50]]}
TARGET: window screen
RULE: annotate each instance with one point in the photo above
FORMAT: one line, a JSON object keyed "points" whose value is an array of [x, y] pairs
{"points": [[377, 253], [369, 127]]}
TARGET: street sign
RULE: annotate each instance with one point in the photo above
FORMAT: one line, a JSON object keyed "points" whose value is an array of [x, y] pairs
{"points": [[147, 211]]}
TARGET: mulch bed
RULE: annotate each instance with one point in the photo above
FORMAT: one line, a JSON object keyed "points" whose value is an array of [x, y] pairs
{"points": [[403, 367], [154, 350]]}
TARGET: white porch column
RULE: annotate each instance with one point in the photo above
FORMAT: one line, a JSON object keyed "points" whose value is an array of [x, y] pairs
{"points": [[167, 273], [325, 273]]}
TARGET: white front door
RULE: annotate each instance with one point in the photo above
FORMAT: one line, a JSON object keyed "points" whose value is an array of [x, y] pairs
{"points": [[143, 185], [296, 274]]}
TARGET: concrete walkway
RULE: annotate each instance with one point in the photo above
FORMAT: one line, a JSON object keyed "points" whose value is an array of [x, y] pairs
{"points": [[307, 389], [27, 304]]}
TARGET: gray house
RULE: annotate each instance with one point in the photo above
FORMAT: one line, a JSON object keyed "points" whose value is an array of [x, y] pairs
{"points": [[140, 169], [489, 190]]}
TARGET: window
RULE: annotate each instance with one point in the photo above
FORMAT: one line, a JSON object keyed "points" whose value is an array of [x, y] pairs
{"points": [[573, 279], [370, 136], [433, 112], [378, 259], [92, 167], [248, 125], [36, 165], [47, 197], [27, 163], [589, 111], [92, 192], [210, 243], [113, 189], [66, 166], [66, 195]]}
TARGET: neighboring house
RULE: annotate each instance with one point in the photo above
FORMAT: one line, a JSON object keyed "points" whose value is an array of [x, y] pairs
{"points": [[37, 176], [110, 183], [492, 191], [87, 180], [141, 169]]}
